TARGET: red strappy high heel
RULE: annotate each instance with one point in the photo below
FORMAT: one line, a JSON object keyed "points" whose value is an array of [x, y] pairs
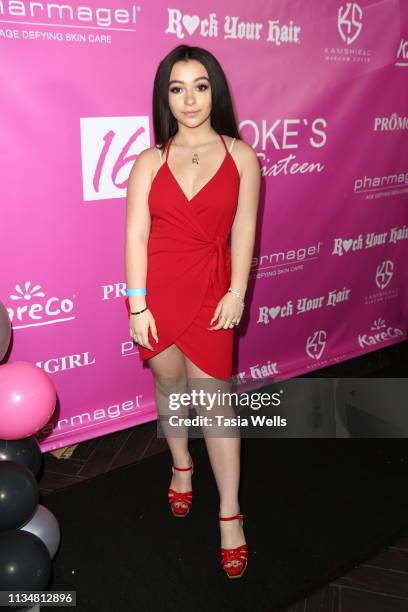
{"points": [[185, 499], [239, 555]]}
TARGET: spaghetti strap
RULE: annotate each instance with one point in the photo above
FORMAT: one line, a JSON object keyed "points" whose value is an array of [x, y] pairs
{"points": [[168, 147], [160, 154], [232, 144], [223, 141]]}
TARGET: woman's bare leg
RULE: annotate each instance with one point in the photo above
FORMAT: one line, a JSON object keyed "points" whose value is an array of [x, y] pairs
{"points": [[224, 454], [170, 376]]}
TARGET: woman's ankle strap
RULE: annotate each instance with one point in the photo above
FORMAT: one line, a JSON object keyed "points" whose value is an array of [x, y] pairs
{"points": [[183, 469], [230, 518]]}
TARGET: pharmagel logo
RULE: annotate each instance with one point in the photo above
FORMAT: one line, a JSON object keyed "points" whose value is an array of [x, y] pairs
{"points": [[73, 16], [378, 186], [349, 22], [233, 28], [34, 309], [381, 333], [109, 147], [282, 262], [315, 344]]}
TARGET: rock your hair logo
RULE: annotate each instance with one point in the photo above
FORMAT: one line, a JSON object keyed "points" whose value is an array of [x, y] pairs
{"points": [[342, 246], [32, 308], [232, 27]]}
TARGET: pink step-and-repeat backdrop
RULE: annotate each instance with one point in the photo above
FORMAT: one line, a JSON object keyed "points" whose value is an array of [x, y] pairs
{"points": [[320, 92]]}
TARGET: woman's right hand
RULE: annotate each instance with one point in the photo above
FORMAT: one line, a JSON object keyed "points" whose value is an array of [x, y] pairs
{"points": [[139, 328]]}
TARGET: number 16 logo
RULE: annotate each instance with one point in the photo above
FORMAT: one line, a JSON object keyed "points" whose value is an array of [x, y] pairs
{"points": [[109, 147]]}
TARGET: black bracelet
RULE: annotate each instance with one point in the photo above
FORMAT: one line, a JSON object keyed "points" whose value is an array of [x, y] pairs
{"points": [[139, 311]]}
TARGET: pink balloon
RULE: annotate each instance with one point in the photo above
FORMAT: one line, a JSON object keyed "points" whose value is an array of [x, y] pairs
{"points": [[27, 399]]}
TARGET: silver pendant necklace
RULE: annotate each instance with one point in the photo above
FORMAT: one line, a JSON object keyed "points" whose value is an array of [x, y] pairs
{"points": [[195, 159]]}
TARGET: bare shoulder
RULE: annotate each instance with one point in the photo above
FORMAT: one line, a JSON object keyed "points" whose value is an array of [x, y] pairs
{"points": [[243, 155], [146, 164], [151, 156]]}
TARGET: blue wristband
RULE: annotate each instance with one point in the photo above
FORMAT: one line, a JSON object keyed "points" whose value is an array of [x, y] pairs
{"points": [[130, 292]]}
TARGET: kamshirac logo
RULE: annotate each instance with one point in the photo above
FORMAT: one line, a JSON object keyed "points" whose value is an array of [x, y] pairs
{"points": [[316, 343], [30, 307], [349, 21]]}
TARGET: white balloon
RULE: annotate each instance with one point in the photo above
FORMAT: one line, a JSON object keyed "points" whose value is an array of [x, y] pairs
{"points": [[44, 525]]}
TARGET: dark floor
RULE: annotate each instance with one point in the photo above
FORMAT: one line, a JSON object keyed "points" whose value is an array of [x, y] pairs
{"points": [[378, 585]]}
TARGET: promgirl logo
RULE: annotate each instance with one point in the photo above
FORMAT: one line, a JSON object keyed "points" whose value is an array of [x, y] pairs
{"points": [[380, 333], [32, 308]]}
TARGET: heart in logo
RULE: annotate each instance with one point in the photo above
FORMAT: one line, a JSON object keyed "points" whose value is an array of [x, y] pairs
{"points": [[274, 312], [347, 244], [191, 23]]}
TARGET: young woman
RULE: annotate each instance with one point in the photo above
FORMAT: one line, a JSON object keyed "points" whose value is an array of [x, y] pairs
{"points": [[186, 197]]}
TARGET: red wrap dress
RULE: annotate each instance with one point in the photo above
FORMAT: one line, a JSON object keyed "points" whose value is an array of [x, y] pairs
{"points": [[189, 265]]}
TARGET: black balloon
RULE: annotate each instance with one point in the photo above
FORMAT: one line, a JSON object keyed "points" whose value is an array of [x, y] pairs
{"points": [[19, 494], [25, 564], [25, 452]]}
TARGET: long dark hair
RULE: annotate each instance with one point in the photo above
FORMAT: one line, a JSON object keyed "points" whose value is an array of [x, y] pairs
{"points": [[222, 114]]}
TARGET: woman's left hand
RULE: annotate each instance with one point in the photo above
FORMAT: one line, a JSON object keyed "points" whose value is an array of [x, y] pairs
{"points": [[229, 312]]}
